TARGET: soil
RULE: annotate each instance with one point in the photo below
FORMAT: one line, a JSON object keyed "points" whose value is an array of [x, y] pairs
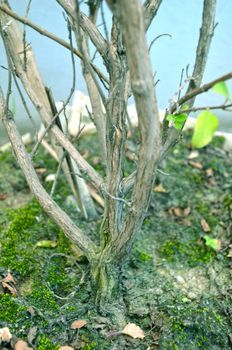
{"points": [[175, 286]]}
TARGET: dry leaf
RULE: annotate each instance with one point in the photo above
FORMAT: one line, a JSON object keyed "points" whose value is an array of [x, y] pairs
{"points": [[133, 331], [193, 154], [5, 334], [22, 345], [209, 172], [196, 165], [205, 225], [9, 278], [66, 347], [7, 284], [159, 188], [78, 324], [186, 211]]}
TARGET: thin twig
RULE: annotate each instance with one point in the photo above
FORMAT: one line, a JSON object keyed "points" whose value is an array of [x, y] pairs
{"points": [[195, 109], [51, 36]]}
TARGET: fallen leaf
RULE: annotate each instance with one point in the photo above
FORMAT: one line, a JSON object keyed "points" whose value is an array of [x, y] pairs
{"points": [[22, 345], [160, 189], [213, 243], [8, 284], [186, 211], [3, 196], [209, 172], [5, 334], [133, 331], [66, 347], [193, 155], [205, 225], [46, 244], [196, 165], [77, 324], [9, 278], [178, 212], [9, 288]]}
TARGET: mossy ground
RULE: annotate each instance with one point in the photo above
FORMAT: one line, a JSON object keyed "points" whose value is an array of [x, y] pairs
{"points": [[174, 287]]}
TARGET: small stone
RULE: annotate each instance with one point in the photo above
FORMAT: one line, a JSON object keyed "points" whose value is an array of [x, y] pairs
{"points": [[180, 279]]}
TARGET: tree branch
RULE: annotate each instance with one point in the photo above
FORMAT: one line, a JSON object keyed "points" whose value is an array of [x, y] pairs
{"points": [[49, 35], [88, 27], [148, 115]]}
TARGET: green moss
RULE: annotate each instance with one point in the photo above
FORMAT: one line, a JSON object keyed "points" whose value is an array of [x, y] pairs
{"points": [[190, 253], [195, 327], [43, 298], [17, 242], [46, 344], [10, 311], [91, 346]]}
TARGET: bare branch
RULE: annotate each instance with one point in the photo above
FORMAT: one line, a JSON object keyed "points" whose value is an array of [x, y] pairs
{"points": [[49, 35], [206, 34], [88, 27], [151, 8]]}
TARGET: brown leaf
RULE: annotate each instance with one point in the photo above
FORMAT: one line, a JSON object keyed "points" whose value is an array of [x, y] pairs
{"points": [[22, 345], [9, 288], [205, 225], [133, 331], [177, 212], [3, 196], [66, 347], [5, 334], [159, 188], [196, 165], [77, 324], [209, 172], [186, 211], [9, 278]]}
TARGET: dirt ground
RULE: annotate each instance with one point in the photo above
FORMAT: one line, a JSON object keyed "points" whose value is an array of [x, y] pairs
{"points": [[176, 284]]}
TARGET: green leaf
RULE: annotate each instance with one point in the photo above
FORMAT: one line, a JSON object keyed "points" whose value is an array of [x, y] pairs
{"points": [[221, 89], [181, 117], [178, 125], [171, 117], [206, 124], [213, 243]]}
